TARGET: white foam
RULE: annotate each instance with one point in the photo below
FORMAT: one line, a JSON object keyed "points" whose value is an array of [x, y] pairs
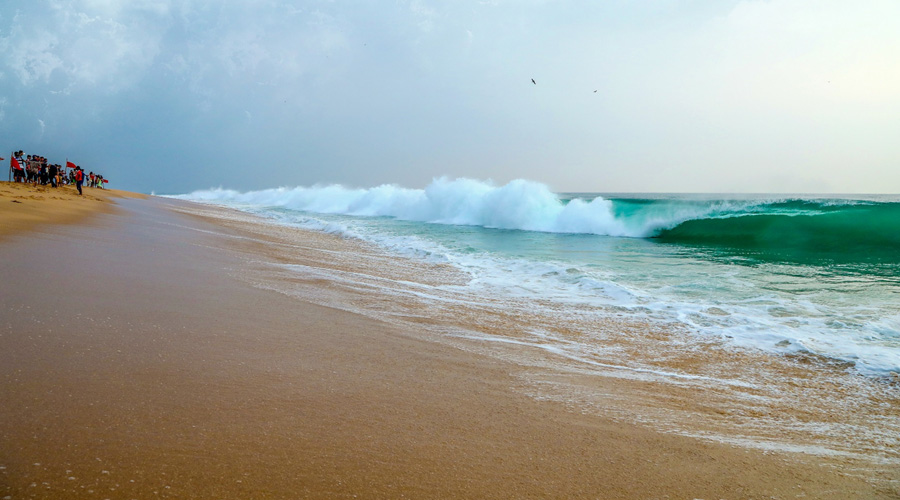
{"points": [[520, 204]]}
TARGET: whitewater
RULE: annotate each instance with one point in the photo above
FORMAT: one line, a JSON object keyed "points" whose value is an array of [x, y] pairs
{"points": [[780, 311], [520, 204]]}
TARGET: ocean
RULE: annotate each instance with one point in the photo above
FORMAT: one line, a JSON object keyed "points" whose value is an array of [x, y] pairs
{"points": [[782, 310]]}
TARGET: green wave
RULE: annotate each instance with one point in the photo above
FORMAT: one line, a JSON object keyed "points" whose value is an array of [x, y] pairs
{"points": [[799, 231]]}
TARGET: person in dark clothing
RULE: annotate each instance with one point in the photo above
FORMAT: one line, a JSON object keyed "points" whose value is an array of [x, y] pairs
{"points": [[53, 174]]}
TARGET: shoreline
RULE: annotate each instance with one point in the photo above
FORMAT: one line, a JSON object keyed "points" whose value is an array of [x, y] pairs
{"points": [[158, 371]]}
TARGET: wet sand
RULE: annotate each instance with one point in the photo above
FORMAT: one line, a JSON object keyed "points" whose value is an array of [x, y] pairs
{"points": [[135, 363]]}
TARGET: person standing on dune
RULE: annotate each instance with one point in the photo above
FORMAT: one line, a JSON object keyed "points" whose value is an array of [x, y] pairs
{"points": [[52, 172], [79, 178]]}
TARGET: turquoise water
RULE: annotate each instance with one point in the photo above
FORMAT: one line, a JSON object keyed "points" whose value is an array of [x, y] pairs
{"points": [[778, 273]]}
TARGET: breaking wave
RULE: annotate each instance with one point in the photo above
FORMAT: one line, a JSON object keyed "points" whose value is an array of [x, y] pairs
{"points": [[794, 229]]}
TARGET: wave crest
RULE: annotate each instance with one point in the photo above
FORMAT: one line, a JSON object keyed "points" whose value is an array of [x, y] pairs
{"points": [[519, 204]]}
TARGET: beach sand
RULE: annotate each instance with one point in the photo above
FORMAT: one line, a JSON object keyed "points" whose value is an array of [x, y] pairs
{"points": [[135, 363]]}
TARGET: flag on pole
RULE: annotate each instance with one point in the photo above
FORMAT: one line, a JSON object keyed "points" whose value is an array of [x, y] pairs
{"points": [[15, 164], [70, 164]]}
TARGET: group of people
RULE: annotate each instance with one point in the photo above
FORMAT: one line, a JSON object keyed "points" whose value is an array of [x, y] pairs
{"points": [[35, 169]]}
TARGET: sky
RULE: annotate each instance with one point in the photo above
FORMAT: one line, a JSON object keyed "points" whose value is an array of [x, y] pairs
{"points": [[171, 96]]}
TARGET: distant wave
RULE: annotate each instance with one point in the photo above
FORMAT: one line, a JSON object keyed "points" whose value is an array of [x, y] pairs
{"points": [[771, 229]]}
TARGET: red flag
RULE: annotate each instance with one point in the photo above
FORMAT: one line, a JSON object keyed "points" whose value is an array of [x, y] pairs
{"points": [[70, 165], [15, 164]]}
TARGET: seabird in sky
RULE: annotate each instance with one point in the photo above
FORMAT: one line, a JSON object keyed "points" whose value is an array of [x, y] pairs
{"points": [[534, 82]]}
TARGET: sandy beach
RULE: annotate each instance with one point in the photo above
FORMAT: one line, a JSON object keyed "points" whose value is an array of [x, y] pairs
{"points": [[137, 361], [27, 207]]}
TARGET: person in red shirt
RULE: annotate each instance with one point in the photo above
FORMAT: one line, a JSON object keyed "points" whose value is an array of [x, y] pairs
{"points": [[79, 178]]}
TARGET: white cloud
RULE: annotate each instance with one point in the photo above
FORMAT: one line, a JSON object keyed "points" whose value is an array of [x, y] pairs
{"points": [[35, 60], [423, 14], [88, 43]]}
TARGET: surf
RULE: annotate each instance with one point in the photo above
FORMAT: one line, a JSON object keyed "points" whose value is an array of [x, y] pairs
{"points": [[799, 230], [777, 273]]}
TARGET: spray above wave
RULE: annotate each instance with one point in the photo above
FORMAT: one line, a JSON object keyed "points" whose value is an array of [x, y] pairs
{"points": [[520, 205]]}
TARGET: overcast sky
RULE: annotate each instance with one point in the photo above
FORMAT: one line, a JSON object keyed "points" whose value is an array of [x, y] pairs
{"points": [[673, 96]]}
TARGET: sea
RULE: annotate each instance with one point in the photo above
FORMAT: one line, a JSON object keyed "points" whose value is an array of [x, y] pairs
{"points": [[781, 311]]}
